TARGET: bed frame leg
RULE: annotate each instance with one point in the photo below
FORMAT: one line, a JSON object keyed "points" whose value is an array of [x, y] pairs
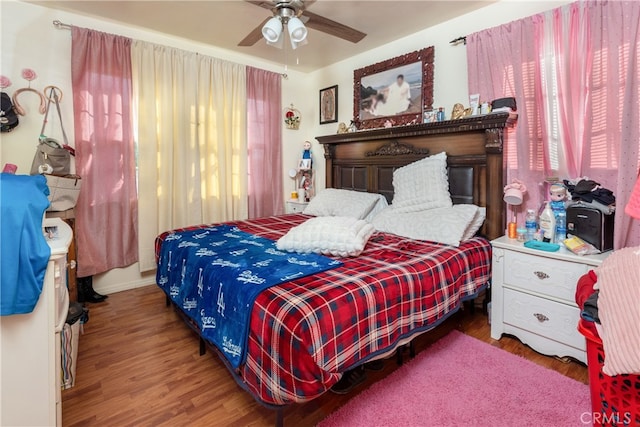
{"points": [[203, 347], [167, 301], [280, 417], [399, 355], [412, 350]]}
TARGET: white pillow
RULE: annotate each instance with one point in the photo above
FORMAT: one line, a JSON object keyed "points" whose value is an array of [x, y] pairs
{"points": [[337, 202], [329, 235], [443, 225], [422, 185], [476, 223]]}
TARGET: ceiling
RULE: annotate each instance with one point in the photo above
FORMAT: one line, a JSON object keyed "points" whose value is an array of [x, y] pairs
{"points": [[225, 23]]}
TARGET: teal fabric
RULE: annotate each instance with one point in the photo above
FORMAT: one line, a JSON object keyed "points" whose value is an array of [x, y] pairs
{"points": [[24, 252]]}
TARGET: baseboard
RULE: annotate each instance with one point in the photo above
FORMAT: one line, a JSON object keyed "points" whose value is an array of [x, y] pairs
{"points": [[119, 287]]}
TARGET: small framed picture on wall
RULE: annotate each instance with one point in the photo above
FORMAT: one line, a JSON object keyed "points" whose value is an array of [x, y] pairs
{"points": [[329, 105]]}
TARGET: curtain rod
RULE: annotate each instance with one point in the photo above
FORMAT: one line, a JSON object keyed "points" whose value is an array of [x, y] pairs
{"points": [[61, 25], [458, 40]]}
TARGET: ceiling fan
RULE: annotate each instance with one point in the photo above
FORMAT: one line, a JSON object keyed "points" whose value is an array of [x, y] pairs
{"points": [[294, 15]]}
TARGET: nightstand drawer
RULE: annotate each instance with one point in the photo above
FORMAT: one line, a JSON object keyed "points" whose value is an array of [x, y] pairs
{"points": [[295, 206], [549, 319], [547, 276]]}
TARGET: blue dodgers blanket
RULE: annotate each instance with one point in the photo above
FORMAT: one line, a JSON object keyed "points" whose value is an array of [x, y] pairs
{"points": [[216, 273]]}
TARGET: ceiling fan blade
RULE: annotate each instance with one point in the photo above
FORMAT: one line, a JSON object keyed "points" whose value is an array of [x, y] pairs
{"points": [[254, 36], [333, 28]]}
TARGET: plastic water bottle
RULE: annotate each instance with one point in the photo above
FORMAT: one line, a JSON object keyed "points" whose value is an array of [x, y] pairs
{"points": [[531, 224], [561, 226]]}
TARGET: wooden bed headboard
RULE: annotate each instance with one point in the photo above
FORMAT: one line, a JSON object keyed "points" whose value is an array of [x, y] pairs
{"points": [[365, 160]]}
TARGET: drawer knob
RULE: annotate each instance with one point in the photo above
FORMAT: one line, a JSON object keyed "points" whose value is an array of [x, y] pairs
{"points": [[541, 275], [541, 317]]}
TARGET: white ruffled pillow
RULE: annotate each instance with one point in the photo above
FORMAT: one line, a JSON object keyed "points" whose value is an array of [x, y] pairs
{"points": [[422, 185], [337, 202], [443, 225], [329, 235]]}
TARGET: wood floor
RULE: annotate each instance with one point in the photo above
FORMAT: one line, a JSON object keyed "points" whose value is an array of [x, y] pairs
{"points": [[138, 365]]}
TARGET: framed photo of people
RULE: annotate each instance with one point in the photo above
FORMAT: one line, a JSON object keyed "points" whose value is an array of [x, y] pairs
{"points": [[329, 105], [397, 90]]}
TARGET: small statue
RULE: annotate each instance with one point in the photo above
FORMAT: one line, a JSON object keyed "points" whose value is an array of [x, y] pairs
{"points": [[306, 161], [342, 128], [306, 185], [458, 111], [558, 195]]}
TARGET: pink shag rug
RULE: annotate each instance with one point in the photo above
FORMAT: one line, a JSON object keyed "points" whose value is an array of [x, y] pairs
{"points": [[461, 381]]}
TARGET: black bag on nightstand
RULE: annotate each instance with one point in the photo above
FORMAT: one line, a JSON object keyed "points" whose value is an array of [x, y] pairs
{"points": [[591, 225]]}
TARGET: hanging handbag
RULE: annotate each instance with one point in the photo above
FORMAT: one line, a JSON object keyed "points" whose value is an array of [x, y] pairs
{"points": [[51, 157], [54, 161]]}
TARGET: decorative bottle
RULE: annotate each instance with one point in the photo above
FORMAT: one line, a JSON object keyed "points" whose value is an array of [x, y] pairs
{"points": [[440, 115]]}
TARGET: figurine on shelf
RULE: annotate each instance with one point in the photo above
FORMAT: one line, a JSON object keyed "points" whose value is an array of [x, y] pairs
{"points": [[305, 173], [306, 161], [306, 184], [306, 152], [342, 128], [558, 195], [457, 112]]}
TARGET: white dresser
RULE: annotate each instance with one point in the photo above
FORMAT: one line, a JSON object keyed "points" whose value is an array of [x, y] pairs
{"points": [[30, 346], [533, 296]]}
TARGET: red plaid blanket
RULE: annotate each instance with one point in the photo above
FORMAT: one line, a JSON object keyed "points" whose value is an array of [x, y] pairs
{"points": [[305, 333]]}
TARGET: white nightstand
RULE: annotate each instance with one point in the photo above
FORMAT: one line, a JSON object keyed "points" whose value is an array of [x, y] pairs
{"points": [[533, 296], [294, 206]]}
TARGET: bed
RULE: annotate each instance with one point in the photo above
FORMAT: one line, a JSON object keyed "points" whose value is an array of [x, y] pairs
{"points": [[304, 333]]}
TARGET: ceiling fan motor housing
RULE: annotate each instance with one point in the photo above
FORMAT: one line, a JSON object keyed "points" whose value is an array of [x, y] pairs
{"points": [[285, 13], [293, 13]]}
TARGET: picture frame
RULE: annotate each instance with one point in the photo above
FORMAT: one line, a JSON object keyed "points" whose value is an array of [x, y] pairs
{"points": [[304, 164], [396, 91], [329, 105]]}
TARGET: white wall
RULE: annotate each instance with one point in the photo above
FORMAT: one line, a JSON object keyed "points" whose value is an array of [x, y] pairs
{"points": [[29, 40]]}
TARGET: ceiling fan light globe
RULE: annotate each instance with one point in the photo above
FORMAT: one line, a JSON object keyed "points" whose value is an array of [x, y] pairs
{"points": [[272, 30], [297, 30]]}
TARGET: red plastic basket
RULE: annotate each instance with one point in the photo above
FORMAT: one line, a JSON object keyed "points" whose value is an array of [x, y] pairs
{"points": [[615, 401]]}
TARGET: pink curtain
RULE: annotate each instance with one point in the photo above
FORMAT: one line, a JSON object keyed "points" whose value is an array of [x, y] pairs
{"points": [[106, 213], [594, 51], [264, 125], [611, 154], [502, 63]]}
